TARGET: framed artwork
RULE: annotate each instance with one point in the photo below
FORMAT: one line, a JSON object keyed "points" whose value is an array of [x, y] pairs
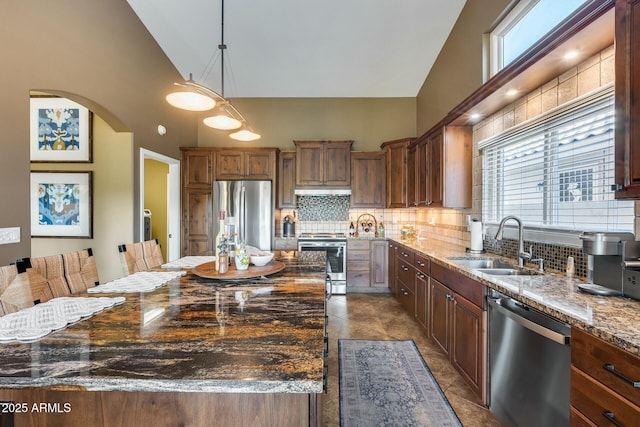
{"points": [[61, 204], [60, 131]]}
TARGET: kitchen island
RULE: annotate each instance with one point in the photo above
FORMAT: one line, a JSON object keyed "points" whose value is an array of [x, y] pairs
{"points": [[193, 352]]}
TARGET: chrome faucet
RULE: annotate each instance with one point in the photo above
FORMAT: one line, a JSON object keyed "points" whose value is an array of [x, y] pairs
{"points": [[522, 255]]}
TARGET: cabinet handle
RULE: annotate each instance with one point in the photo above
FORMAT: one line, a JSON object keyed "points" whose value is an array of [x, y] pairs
{"points": [[449, 297], [404, 267], [405, 254], [610, 368], [420, 275], [612, 418], [617, 187], [421, 264]]}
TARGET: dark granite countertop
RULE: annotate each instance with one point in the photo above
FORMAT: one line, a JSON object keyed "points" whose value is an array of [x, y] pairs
{"points": [[190, 335], [614, 319]]}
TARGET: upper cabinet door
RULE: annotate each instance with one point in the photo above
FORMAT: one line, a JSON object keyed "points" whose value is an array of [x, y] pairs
{"points": [[309, 163], [337, 164], [368, 179], [323, 163], [286, 180], [398, 172], [627, 94], [197, 168]]}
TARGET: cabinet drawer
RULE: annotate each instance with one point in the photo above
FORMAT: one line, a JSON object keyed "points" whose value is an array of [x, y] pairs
{"points": [[358, 266], [406, 255], [358, 277], [406, 274], [463, 285], [421, 263], [407, 299], [603, 361], [357, 244], [598, 403], [358, 255]]}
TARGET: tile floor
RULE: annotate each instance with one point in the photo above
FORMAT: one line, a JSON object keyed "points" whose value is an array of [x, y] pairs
{"points": [[380, 316]]}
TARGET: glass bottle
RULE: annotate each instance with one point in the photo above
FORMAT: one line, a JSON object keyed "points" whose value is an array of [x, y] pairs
{"points": [[221, 235]]}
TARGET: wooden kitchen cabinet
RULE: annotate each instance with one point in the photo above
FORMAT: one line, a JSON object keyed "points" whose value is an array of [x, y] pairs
{"points": [[379, 263], [392, 263], [397, 172], [422, 297], [358, 264], [367, 265], [368, 179], [458, 323], [250, 163], [443, 168], [603, 379], [406, 280], [197, 201], [627, 94], [286, 180], [422, 292], [323, 163]]}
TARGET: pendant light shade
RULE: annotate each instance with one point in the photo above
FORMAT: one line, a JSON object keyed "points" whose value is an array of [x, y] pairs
{"points": [[245, 134], [222, 119], [191, 101]]}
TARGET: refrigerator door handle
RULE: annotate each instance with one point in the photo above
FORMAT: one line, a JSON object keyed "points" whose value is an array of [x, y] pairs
{"points": [[243, 218]]}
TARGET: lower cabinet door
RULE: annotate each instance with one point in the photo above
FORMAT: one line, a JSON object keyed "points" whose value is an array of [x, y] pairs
{"points": [[407, 298], [467, 336], [422, 300], [439, 314]]}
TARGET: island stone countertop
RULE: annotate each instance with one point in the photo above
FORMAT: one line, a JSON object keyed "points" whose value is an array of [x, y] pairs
{"points": [[261, 335], [614, 319]]}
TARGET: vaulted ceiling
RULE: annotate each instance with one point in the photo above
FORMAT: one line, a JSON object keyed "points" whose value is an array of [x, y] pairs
{"points": [[303, 48]]}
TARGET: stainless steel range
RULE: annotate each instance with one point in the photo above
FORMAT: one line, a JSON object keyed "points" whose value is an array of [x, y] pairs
{"points": [[335, 246]]}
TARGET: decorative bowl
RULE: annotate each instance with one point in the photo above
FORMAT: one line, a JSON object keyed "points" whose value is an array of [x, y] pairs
{"points": [[260, 260]]}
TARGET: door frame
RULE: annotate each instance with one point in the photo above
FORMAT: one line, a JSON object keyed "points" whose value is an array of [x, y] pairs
{"points": [[173, 201]]}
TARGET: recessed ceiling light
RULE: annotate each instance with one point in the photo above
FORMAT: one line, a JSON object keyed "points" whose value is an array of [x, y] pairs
{"points": [[474, 116], [512, 92], [571, 54]]}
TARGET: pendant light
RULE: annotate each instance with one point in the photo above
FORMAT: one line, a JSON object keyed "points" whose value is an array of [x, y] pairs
{"points": [[195, 97]]}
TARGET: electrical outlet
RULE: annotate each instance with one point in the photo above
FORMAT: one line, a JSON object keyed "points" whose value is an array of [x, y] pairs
{"points": [[9, 235]]}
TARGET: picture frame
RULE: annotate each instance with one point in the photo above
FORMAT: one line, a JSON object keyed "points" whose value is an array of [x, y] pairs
{"points": [[60, 131], [61, 204]]}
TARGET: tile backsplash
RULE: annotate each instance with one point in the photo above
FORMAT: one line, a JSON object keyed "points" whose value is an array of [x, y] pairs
{"points": [[323, 208]]}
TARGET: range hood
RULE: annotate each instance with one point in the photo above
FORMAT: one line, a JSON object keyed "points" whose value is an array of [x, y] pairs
{"points": [[322, 191]]}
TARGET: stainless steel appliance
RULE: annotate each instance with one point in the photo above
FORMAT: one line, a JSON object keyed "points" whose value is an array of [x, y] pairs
{"points": [[249, 211], [335, 246], [631, 269], [288, 227], [604, 252], [530, 364]]}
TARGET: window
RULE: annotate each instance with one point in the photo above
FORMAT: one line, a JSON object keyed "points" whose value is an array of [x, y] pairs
{"points": [[555, 173], [523, 26]]}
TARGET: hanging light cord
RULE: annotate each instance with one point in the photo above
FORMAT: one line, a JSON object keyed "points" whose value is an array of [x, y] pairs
{"points": [[222, 48]]}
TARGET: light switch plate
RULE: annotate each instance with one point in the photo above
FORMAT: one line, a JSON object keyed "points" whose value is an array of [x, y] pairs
{"points": [[9, 235]]}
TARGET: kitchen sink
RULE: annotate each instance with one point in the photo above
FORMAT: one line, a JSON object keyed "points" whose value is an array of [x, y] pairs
{"points": [[482, 263], [506, 271]]}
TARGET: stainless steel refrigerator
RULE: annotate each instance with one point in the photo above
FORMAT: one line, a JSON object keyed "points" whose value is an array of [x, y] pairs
{"points": [[248, 208]]}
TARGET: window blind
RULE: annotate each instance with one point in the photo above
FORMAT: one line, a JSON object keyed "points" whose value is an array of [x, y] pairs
{"points": [[556, 172]]}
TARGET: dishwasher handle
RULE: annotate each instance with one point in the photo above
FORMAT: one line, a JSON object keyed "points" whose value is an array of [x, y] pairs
{"points": [[560, 338]]}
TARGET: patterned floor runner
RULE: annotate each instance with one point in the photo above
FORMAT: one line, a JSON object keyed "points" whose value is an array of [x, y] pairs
{"points": [[387, 383]]}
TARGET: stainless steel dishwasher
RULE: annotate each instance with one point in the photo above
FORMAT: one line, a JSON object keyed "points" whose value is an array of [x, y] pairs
{"points": [[529, 362]]}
